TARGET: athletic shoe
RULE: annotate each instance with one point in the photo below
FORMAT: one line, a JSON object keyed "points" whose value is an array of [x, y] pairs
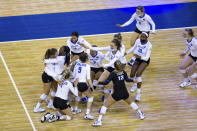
{"points": [[53, 118], [88, 117], [45, 117], [137, 98], [185, 84], [97, 123], [39, 110], [74, 112], [133, 88], [141, 114]]}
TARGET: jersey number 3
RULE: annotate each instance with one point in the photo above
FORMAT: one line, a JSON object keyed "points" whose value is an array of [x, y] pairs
{"points": [[79, 69]]}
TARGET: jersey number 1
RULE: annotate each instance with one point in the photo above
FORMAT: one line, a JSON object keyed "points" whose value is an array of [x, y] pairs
{"points": [[120, 77]]}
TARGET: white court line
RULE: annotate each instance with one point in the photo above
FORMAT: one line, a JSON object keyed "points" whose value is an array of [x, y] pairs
{"points": [[87, 35], [18, 93]]}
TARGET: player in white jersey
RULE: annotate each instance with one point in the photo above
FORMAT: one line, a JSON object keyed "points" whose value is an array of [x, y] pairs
{"points": [[95, 59], [47, 78], [61, 62], [113, 54], [82, 74], [142, 51], [191, 59], [74, 43], [61, 102], [143, 25]]}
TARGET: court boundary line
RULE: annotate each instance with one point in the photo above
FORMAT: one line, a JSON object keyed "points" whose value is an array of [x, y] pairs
{"points": [[6, 42], [17, 91]]}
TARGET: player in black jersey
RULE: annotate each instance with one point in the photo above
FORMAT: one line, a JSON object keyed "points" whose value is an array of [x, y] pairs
{"points": [[118, 77]]}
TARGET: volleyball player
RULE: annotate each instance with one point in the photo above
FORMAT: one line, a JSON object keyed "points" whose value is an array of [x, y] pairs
{"points": [[95, 59], [118, 76], [191, 59], [82, 76], [61, 102], [74, 44], [142, 51], [47, 78], [62, 61], [142, 25]]}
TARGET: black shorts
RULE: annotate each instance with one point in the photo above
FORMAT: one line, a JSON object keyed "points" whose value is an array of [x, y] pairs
{"points": [[194, 58], [96, 70], [140, 32], [60, 103], [110, 69], [82, 87], [140, 61], [120, 95], [46, 78], [76, 53]]}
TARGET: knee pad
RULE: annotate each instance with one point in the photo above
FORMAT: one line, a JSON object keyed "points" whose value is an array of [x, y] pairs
{"points": [[194, 76], [105, 90], [139, 79], [183, 71], [43, 97], [52, 93], [103, 110], [91, 99], [78, 98], [94, 82]]}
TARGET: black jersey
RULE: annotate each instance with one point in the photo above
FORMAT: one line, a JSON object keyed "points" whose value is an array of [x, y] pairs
{"points": [[118, 79]]}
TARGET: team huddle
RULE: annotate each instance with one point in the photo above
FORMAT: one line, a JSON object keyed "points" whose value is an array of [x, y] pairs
{"points": [[71, 73]]}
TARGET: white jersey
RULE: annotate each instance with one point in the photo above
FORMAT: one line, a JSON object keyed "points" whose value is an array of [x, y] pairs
{"points": [[82, 72], [113, 58], [143, 23], [143, 50], [96, 59], [108, 48], [76, 47], [63, 90], [192, 46], [54, 66]]}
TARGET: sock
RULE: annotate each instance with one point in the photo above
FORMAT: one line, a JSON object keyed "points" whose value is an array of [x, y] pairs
{"points": [[100, 117], [68, 118], [138, 91], [139, 112], [134, 106], [186, 79], [75, 108], [38, 105], [88, 111]]}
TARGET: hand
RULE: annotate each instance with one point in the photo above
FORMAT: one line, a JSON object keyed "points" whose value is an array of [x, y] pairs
{"points": [[137, 56], [182, 55], [153, 32], [118, 25], [60, 83]]}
